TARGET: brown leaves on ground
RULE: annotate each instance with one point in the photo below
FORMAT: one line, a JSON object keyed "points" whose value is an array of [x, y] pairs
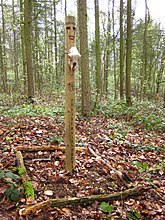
{"points": [[137, 153]]}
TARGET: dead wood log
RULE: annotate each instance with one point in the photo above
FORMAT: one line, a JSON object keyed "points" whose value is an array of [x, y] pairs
{"points": [[129, 193], [44, 148], [27, 184]]}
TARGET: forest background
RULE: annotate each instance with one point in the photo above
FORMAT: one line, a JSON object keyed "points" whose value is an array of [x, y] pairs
{"points": [[120, 101], [32, 53]]}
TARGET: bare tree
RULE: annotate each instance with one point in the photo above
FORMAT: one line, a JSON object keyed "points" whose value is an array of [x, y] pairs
{"points": [[84, 66]]}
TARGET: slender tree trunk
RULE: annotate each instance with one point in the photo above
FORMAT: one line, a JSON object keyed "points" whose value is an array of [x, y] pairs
{"points": [[97, 46], [128, 54], [55, 43], [5, 87], [107, 54], [23, 46], [114, 52], [28, 46], [84, 64], [160, 71], [15, 64], [45, 40], [144, 72], [121, 52], [36, 42], [1, 63]]}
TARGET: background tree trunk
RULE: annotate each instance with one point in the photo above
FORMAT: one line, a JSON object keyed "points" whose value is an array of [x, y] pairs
{"points": [[15, 46], [97, 51], [121, 52], [22, 26], [128, 54], [114, 51], [28, 46], [107, 54], [4, 66], [84, 64], [144, 55]]}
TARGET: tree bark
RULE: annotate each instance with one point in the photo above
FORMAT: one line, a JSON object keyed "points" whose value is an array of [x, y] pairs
{"points": [[97, 51], [84, 63], [114, 51], [128, 54], [121, 52], [28, 47], [3, 39], [22, 28]]}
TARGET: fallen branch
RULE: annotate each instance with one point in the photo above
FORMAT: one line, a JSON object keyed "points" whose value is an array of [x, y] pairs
{"points": [[44, 148], [27, 184], [129, 193], [122, 175]]}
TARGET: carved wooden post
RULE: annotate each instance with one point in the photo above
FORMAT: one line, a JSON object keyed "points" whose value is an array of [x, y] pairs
{"points": [[71, 59]]}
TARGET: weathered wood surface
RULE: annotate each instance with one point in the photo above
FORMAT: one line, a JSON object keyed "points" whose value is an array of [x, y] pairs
{"points": [[129, 193], [44, 148]]}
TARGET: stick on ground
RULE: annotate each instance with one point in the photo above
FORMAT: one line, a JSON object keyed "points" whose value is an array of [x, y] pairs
{"points": [[129, 193]]}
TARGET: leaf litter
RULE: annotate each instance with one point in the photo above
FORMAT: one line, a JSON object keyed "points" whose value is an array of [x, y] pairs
{"points": [[134, 151]]}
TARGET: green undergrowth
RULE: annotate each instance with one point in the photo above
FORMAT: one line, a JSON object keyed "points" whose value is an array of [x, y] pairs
{"points": [[11, 179], [146, 115], [32, 110]]}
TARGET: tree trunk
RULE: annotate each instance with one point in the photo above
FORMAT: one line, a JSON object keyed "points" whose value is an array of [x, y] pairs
{"points": [[55, 43], [28, 47], [144, 73], [4, 66], [128, 54], [160, 71], [107, 54], [97, 46], [23, 47], [84, 64], [15, 64], [121, 52], [114, 52], [36, 55]]}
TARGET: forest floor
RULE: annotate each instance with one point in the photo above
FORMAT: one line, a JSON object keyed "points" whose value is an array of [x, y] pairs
{"points": [[139, 153]]}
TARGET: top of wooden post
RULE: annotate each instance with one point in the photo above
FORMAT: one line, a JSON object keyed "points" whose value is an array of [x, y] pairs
{"points": [[70, 20], [70, 31]]}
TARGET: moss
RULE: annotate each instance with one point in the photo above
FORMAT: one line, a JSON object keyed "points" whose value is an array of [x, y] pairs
{"points": [[28, 188], [21, 170]]}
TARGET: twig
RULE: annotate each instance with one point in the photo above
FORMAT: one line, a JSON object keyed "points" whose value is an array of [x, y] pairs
{"points": [[122, 175]]}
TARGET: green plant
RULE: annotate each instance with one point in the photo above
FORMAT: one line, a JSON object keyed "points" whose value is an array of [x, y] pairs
{"points": [[105, 207], [12, 192], [142, 167], [28, 109], [8, 139], [8, 174], [151, 183], [10, 178], [21, 170], [134, 214], [54, 139], [28, 189]]}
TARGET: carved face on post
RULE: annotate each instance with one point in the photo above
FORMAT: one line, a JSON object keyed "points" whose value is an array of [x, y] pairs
{"points": [[71, 32], [70, 38]]}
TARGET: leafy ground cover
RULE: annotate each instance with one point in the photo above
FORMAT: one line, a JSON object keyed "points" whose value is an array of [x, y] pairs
{"points": [[134, 148]]}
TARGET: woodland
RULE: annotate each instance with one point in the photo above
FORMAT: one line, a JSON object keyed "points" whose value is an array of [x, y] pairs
{"points": [[118, 111]]}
